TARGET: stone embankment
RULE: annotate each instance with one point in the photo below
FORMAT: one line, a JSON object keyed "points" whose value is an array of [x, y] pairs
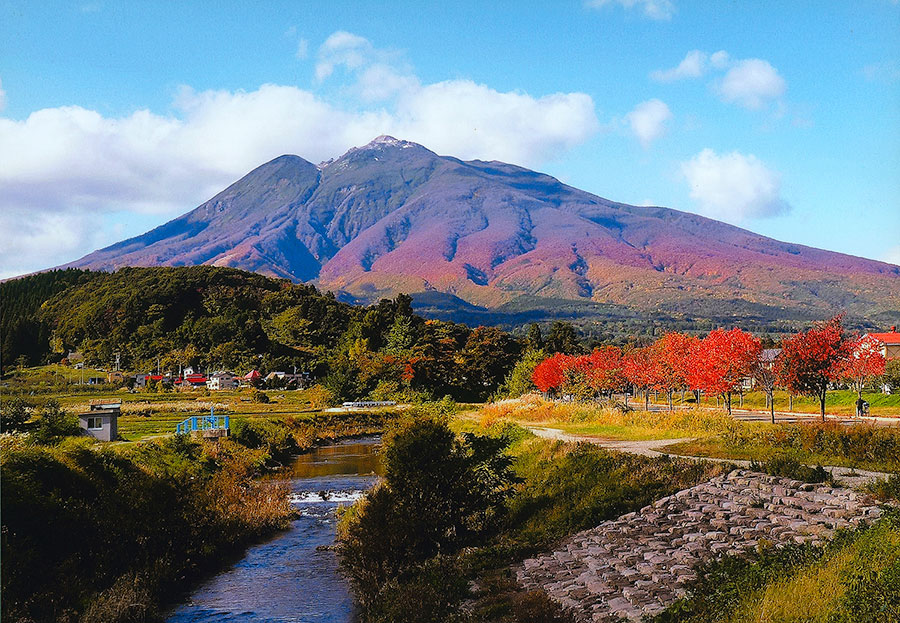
{"points": [[640, 563]]}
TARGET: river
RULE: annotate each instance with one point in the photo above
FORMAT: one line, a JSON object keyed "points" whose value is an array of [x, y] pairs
{"points": [[287, 579]]}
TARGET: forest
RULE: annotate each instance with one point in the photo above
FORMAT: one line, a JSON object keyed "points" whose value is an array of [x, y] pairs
{"points": [[219, 318]]}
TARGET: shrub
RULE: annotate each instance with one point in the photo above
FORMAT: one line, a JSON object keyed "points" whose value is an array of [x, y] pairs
{"points": [[440, 493], [320, 397], [54, 424], [272, 436], [786, 466], [13, 414]]}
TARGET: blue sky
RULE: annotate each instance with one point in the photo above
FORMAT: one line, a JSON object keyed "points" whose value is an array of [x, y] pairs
{"points": [[781, 117]]}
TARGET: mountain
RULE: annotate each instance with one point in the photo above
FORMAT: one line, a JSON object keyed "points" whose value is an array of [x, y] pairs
{"points": [[494, 240]]}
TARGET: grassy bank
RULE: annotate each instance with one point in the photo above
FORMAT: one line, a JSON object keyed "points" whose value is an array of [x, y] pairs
{"points": [[95, 533], [534, 492], [854, 578], [837, 402], [713, 434], [107, 532]]}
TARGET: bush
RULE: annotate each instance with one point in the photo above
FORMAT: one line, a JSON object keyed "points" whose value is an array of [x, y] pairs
{"points": [[320, 397], [13, 414], [258, 396], [787, 466], [440, 493], [54, 424], [272, 436]]}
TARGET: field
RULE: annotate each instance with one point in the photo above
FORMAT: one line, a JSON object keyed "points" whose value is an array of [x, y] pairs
{"points": [[837, 402], [711, 432], [147, 414]]}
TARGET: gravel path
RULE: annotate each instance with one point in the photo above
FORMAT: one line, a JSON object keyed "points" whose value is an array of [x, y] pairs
{"points": [[656, 447]]}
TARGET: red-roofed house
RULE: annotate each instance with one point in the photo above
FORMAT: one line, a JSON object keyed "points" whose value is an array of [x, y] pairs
{"points": [[890, 343]]}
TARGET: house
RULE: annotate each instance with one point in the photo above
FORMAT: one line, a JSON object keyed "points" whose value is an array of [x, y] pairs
{"points": [[194, 380], [890, 343], [115, 377], [222, 380], [141, 380], [250, 378], [102, 420]]}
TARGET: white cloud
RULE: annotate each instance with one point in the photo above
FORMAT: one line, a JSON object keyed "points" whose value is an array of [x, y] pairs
{"points": [[2, 97], [302, 49], [654, 9], [469, 120], [720, 59], [70, 165], [750, 83], [648, 120], [692, 66], [30, 241], [733, 187], [342, 48]]}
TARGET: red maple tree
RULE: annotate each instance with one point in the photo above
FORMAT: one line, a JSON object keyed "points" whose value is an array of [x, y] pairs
{"points": [[550, 374], [673, 352], [722, 361], [863, 362], [605, 373], [811, 360], [641, 369]]}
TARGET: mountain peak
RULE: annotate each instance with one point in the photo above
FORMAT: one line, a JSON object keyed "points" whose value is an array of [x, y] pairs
{"points": [[387, 140], [393, 216]]}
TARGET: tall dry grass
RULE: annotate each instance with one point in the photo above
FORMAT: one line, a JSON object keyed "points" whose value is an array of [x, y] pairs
{"points": [[535, 409]]}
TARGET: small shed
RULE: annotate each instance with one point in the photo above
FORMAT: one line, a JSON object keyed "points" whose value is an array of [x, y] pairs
{"points": [[102, 420]]}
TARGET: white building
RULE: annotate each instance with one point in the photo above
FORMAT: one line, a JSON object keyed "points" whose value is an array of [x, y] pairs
{"points": [[221, 380]]}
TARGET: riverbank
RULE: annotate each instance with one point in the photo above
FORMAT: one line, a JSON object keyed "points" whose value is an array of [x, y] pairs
{"points": [[166, 511], [294, 573]]}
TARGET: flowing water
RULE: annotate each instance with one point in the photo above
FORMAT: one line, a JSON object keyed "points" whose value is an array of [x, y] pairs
{"points": [[287, 579]]}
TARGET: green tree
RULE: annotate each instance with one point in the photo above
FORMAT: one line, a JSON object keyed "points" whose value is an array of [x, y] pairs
{"points": [[54, 423], [485, 361], [13, 414], [440, 493], [519, 382], [535, 339], [562, 338]]}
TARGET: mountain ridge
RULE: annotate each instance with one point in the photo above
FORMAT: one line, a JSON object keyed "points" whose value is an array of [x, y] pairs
{"points": [[393, 216]]}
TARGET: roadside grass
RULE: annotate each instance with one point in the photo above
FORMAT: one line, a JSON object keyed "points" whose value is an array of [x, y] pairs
{"points": [[854, 577], [837, 402], [605, 421], [713, 434]]}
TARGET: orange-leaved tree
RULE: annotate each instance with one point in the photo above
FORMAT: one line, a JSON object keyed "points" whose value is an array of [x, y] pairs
{"points": [[673, 352], [605, 374], [863, 363], [550, 374], [811, 360], [641, 369], [722, 361]]}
